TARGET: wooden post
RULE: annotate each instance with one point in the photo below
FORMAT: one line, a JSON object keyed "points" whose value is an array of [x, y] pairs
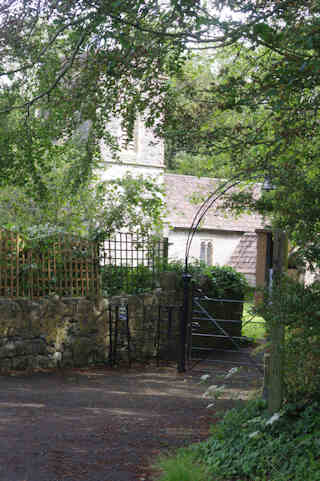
{"points": [[263, 262], [266, 376], [275, 388], [261, 257]]}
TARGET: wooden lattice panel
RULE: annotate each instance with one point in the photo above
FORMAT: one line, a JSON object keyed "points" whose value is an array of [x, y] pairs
{"points": [[63, 264], [10, 247]]}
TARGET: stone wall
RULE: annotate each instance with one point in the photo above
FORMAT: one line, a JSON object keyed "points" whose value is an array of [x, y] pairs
{"points": [[67, 332]]}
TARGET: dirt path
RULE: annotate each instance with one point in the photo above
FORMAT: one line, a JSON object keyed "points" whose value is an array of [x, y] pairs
{"points": [[101, 425]]}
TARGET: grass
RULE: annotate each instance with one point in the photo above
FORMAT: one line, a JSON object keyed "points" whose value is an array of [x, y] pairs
{"points": [[253, 326], [182, 467]]}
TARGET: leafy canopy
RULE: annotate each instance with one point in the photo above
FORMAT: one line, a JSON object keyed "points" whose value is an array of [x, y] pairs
{"points": [[66, 65], [263, 119], [95, 210], [69, 67], [66, 69]]}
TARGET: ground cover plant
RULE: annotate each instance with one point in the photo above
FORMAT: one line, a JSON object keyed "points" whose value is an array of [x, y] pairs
{"points": [[248, 445]]}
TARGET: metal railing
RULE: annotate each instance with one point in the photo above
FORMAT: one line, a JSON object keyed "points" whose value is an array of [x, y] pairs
{"points": [[130, 263]]}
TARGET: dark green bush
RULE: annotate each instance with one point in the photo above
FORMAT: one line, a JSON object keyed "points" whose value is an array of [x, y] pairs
{"points": [[224, 282], [214, 281], [195, 268], [129, 280], [249, 445]]}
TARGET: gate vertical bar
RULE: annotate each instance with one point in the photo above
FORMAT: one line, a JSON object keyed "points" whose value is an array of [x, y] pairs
{"points": [[128, 335], [110, 337], [184, 321], [158, 335], [115, 339]]}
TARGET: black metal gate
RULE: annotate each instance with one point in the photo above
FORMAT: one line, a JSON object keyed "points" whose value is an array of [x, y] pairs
{"points": [[221, 337], [215, 334]]}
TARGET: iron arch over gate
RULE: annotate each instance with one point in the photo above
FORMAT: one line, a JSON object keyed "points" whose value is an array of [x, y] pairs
{"points": [[194, 310]]}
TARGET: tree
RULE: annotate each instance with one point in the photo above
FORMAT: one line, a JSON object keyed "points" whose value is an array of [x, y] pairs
{"points": [[193, 123], [94, 210], [75, 63], [69, 64], [67, 68], [265, 102], [187, 111]]}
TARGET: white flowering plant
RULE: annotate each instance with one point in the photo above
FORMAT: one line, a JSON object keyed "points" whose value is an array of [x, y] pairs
{"points": [[215, 391]]}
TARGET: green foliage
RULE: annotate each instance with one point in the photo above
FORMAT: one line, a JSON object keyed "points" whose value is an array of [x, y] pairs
{"points": [[195, 268], [258, 115], [221, 281], [250, 109], [224, 282], [253, 326], [192, 164], [94, 209], [132, 202], [298, 308], [214, 281], [246, 444], [68, 68], [194, 126], [249, 445], [127, 280], [187, 117], [182, 467]]}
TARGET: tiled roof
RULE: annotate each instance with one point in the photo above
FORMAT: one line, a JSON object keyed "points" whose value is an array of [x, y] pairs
{"points": [[181, 189], [243, 258]]}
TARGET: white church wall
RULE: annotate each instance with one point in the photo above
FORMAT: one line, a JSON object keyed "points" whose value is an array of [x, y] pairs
{"points": [[114, 171], [223, 244], [143, 156]]}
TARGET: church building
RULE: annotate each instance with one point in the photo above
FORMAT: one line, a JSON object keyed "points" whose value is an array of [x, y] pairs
{"points": [[220, 239]]}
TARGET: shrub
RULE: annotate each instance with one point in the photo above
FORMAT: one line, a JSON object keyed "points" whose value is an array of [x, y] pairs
{"points": [[214, 281], [195, 268], [129, 280], [224, 282], [248, 444], [302, 348]]}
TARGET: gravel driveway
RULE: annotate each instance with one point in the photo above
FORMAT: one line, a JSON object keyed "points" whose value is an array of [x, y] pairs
{"points": [[98, 424]]}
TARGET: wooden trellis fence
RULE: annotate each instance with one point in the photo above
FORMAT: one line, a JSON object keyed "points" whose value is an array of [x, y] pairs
{"points": [[61, 264]]}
